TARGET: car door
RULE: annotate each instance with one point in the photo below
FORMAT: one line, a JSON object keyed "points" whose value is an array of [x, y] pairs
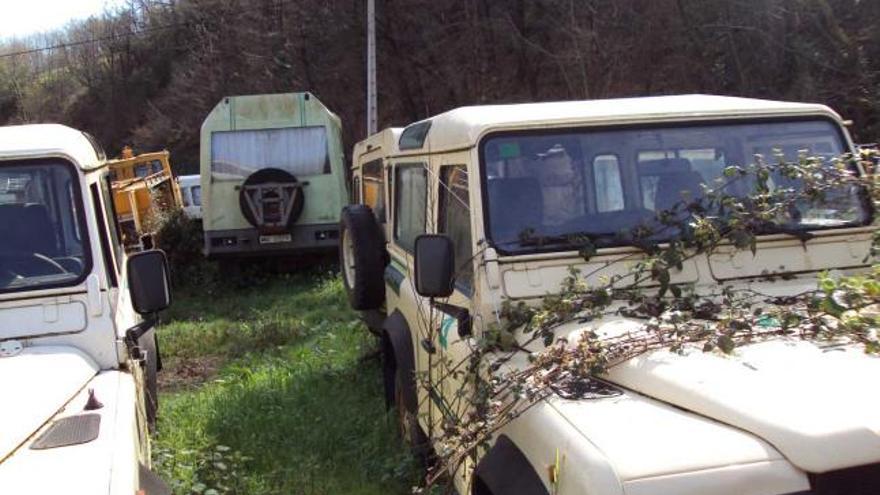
{"points": [[453, 337], [411, 202]]}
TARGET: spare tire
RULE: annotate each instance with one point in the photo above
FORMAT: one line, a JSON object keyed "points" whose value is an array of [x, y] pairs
{"points": [[267, 176], [362, 257]]}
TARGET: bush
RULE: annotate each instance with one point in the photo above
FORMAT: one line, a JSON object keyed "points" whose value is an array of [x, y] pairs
{"points": [[182, 238]]}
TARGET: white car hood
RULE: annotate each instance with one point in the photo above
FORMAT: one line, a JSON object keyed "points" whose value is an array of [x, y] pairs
{"points": [[36, 384], [818, 407]]}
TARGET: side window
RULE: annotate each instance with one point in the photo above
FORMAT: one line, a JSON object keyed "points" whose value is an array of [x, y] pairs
{"points": [[455, 221], [410, 204], [374, 188], [196, 192], [608, 184]]}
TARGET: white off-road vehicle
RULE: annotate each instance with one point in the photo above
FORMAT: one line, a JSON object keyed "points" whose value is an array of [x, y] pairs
{"points": [[776, 418], [78, 353]]}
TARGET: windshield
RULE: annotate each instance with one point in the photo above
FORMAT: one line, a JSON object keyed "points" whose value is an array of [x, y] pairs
{"points": [[545, 187], [44, 242]]}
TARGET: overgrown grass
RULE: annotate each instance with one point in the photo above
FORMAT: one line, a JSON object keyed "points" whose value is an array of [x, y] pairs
{"points": [[295, 408]]}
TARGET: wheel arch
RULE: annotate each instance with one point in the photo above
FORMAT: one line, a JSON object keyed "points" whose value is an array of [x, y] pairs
{"points": [[397, 352], [504, 469]]}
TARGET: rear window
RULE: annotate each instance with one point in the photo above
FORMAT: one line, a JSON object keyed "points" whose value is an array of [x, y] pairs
{"points": [[301, 151]]}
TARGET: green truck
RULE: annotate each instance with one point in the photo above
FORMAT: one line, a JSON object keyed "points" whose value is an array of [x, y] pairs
{"points": [[272, 175]]}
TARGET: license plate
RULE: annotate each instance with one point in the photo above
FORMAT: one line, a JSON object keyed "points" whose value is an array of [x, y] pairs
{"points": [[273, 239]]}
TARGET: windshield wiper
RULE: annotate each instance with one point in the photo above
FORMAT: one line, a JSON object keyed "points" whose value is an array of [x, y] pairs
{"points": [[569, 239], [586, 243], [800, 234]]}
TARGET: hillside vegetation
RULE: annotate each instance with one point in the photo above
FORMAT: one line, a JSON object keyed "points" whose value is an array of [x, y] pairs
{"points": [[147, 74]]}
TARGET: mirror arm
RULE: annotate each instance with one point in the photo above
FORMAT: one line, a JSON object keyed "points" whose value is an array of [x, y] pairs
{"points": [[462, 315], [133, 334]]}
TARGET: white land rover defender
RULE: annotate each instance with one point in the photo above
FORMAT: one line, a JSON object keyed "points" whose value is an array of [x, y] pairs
{"points": [[78, 354], [777, 418]]}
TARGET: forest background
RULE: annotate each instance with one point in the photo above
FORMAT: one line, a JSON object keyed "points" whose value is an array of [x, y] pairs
{"points": [[146, 73]]}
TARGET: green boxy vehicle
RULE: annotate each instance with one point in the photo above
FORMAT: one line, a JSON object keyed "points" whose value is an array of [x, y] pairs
{"points": [[272, 174]]}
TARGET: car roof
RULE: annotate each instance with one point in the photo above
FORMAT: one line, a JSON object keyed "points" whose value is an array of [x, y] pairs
{"points": [[45, 140], [383, 142], [463, 127]]}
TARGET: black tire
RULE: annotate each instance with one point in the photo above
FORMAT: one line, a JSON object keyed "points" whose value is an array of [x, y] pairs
{"points": [[263, 176], [361, 237], [148, 345]]}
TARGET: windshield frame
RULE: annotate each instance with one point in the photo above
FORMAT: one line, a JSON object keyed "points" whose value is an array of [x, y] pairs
{"points": [[846, 144], [80, 216]]}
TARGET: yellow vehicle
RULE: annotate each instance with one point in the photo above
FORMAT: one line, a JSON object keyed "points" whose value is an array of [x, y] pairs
{"points": [[143, 186]]}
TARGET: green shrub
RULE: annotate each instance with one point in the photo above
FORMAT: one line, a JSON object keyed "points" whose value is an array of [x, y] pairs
{"points": [[182, 238]]}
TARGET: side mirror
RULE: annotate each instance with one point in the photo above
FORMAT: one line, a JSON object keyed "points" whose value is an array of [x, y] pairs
{"points": [[148, 281], [435, 265]]}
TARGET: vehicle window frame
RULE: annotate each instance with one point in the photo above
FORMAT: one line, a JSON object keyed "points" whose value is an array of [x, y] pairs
{"points": [[116, 232], [104, 236], [79, 215], [846, 144]]}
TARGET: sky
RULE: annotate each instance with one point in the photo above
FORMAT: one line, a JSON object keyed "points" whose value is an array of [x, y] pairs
{"points": [[22, 17]]}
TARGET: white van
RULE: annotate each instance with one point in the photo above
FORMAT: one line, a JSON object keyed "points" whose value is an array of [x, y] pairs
{"points": [[191, 193], [78, 354]]}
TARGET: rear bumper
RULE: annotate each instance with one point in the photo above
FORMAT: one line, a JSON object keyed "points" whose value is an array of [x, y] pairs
{"points": [[246, 242]]}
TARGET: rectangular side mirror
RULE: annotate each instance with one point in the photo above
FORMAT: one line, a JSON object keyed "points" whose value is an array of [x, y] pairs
{"points": [[148, 281], [435, 265]]}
